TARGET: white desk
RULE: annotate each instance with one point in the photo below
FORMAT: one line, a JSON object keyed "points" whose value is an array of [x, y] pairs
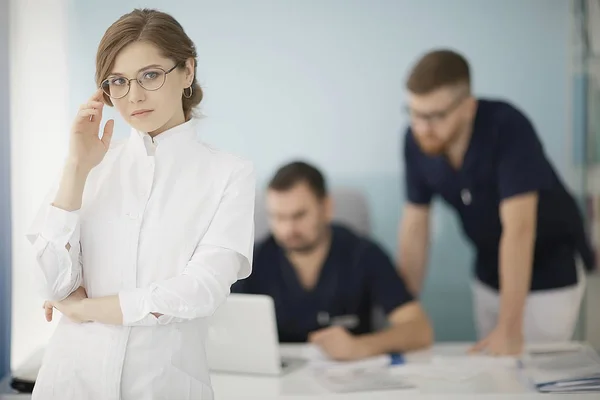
{"points": [[492, 383]]}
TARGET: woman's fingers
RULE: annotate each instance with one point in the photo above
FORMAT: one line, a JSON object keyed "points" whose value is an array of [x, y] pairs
{"points": [[86, 113], [95, 102], [97, 96], [48, 310], [91, 104], [108, 132]]}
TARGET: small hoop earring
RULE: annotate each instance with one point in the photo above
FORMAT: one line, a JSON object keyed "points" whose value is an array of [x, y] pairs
{"points": [[191, 92]]}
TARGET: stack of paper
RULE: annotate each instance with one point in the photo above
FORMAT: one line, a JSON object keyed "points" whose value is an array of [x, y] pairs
{"points": [[572, 371]]}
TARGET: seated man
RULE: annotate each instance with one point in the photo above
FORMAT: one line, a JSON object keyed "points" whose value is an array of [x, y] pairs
{"points": [[326, 280]]}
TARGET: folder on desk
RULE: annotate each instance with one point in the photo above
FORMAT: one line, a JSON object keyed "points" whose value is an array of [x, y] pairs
{"points": [[589, 384], [565, 372]]}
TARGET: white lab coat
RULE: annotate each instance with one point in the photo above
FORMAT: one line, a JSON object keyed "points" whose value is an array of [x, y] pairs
{"points": [[168, 225]]}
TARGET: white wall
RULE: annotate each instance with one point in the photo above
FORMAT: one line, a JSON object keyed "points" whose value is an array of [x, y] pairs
{"points": [[39, 87]]}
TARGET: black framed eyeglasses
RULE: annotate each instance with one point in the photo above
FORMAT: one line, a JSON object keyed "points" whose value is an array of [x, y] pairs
{"points": [[117, 87], [437, 116]]}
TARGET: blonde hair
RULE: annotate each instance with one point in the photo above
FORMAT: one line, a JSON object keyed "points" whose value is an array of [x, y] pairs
{"points": [[152, 26]]}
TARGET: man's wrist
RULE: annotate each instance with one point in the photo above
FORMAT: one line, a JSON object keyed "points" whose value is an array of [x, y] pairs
{"points": [[365, 346], [511, 322]]}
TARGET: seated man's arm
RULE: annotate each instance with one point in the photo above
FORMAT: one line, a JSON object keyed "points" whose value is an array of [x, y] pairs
{"points": [[409, 327]]}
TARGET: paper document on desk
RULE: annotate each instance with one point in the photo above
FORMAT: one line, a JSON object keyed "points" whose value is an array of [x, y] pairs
{"points": [[357, 380], [313, 354], [477, 361], [371, 373], [317, 359], [443, 368], [485, 361], [577, 370]]}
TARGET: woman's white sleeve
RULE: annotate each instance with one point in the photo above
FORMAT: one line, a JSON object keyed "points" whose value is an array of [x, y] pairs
{"points": [[223, 256], [54, 235]]}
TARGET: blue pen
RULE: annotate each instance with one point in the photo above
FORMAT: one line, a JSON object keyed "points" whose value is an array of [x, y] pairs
{"points": [[396, 359]]}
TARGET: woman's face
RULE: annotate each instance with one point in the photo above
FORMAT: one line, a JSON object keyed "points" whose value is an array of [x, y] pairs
{"points": [[149, 109]]}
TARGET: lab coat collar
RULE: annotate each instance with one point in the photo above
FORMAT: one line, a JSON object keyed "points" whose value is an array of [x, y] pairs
{"points": [[182, 133]]}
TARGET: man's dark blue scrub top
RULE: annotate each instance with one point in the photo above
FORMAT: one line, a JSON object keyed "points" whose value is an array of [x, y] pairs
{"points": [[357, 276], [504, 158]]}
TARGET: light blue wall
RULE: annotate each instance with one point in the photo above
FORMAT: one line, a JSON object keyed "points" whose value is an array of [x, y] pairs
{"points": [[323, 80], [5, 218]]}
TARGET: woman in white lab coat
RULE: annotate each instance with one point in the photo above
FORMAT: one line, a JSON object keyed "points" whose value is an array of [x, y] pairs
{"points": [[141, 239]]}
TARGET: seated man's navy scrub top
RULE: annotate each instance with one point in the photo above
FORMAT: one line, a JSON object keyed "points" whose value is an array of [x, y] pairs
{"points": [[357, 277], [504, 158]]}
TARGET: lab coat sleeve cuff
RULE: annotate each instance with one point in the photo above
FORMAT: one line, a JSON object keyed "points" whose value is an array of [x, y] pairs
{"points": [[61, 226], [135, 306]]}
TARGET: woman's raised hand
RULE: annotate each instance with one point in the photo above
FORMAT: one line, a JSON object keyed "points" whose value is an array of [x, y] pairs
{"points": [[86, 147]]}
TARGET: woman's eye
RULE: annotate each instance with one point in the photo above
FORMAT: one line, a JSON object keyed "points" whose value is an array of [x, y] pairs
{"points": [[117, 81], [150, 75]]}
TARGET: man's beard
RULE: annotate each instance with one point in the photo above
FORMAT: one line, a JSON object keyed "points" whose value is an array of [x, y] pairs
{"points": [[307, 247], [304, 248], [432, 148], [437, 147]]}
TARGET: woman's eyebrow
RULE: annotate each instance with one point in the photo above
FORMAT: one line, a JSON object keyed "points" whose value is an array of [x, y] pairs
{"points": [[141, 69]]}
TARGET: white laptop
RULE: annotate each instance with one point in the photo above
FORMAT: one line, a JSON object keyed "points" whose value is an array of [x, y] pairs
{"points": [[242, 337]]}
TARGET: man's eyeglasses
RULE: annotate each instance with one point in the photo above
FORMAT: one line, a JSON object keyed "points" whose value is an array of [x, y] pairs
{"points": [[435, 117], [117, 87]]}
